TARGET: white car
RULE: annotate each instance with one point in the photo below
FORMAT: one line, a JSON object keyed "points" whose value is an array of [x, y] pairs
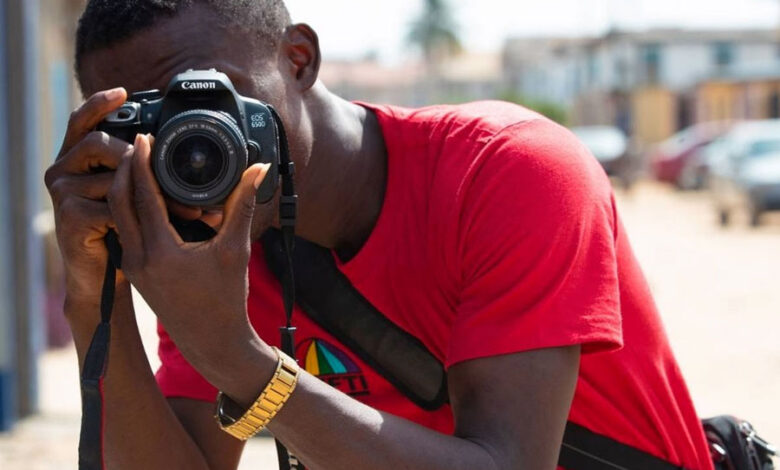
{"points": [[745, 170], [610, 146]]}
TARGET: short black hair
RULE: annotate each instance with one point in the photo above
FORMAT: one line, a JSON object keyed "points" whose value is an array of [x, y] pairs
{"points": [[108, 22]]}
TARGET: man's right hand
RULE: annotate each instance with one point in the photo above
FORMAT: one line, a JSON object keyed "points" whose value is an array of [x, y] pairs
{"points": [[78, 183]]}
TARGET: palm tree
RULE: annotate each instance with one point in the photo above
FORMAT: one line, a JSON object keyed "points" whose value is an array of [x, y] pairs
{"points": [[435, 32]]}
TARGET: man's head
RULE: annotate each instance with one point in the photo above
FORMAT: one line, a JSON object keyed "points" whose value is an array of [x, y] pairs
{"points": [[142, 44], [105, 23]]}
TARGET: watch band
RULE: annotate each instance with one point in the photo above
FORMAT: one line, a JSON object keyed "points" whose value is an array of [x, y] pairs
{"points": [[267, 405]]}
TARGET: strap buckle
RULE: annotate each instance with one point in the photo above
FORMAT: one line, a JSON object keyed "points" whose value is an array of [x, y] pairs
{"points": [[287, 169], [288, 210]]}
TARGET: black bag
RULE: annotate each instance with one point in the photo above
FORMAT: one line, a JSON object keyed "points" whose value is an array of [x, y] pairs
{"points": [[735, 445]]}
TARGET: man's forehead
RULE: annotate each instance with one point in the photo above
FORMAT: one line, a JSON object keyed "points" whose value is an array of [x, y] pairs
{"points": [[151, 57]]}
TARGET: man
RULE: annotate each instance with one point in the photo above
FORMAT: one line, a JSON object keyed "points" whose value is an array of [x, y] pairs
{"points": [[485, 230]]}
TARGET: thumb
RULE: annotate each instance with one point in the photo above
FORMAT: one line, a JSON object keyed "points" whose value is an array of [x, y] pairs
{"points": [[240, 206]]}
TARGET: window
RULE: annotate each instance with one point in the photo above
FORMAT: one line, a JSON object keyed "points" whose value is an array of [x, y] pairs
{"points": [[593, 69], [723, 53], [651, 58], [774, 105]]}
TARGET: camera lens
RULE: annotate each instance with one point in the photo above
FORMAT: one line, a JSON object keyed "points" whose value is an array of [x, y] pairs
{"points": [[199, 156], [197, 161]]}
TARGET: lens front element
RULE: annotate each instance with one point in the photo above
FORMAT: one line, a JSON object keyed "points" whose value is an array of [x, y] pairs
{"points": [[199, 157], [197, 161]]}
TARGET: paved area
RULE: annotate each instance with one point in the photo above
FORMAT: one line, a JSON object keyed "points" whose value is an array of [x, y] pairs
{"points": [[717, 290]]}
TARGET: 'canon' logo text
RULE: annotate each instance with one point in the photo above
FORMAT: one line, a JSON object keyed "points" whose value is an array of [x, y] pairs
{"points": [[199, 86]]}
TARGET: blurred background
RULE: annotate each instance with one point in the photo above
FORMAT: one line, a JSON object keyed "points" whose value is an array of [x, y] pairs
{"points": [[679, 101]]}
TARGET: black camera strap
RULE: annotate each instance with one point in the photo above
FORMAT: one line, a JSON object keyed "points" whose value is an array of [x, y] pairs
{"points": [[96, 360], [288, 213], [95, 363]]}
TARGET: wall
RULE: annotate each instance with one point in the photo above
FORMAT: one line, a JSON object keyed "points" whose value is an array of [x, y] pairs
{"points": [[654, 110], [685, 64], [732, 100], [588, 74]]}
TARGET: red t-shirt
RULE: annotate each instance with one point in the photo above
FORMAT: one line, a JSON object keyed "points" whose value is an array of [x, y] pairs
{"points": [[498, 234]]}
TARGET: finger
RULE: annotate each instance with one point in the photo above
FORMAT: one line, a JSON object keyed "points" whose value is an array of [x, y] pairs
{"points": [[183, 212], [83, 213], [96, 150], [120, 203], [88, 115], [149, 201], [213, 219], [99, 219], [91, 219], [240, 206], [94, 187]]}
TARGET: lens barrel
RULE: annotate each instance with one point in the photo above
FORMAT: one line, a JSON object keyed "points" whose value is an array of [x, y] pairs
{"points": [[199, 157]]}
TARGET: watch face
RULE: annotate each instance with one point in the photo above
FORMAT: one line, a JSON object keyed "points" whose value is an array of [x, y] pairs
{"points": [[227, 410]]}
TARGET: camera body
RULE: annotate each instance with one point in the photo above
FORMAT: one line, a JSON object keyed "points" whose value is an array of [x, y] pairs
{"points": [[206, 136]]}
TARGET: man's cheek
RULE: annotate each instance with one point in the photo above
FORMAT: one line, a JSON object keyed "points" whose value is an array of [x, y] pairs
{"points": [[265, 217]]}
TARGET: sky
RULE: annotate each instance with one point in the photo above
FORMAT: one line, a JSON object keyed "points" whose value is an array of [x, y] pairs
{"points": [[355, 28]]}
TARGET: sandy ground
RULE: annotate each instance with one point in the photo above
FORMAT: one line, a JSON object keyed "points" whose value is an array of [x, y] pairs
{"points": [[718, 291]]}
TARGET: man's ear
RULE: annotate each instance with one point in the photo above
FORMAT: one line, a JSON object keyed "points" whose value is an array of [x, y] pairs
{"points": [[301, 50]]}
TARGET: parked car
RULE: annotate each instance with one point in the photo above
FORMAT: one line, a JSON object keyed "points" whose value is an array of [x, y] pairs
{"points": [[672, 157], [745, 171], [610, 146], [695, 173]]}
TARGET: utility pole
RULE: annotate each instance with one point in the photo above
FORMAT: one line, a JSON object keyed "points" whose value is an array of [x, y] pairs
{"points": [[7, 320], [22, 164]]}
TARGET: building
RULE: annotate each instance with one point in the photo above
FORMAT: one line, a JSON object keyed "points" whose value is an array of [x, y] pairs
{"points": [[369, 80], [750, 93], [463, 77], [36, 97], [639, 81]]}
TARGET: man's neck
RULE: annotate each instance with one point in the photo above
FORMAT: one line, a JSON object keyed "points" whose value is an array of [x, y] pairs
{"points": [[342, 188]]}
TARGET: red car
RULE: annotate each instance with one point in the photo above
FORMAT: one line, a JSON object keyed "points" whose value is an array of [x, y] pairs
{"points": [[670, 157]]}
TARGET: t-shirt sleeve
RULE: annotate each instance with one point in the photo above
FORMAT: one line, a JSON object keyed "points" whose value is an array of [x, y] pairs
{"points": [[176, 377], [537, 234]]}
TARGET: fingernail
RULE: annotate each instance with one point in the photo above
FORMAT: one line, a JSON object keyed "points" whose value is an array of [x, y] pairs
{"points": [[115, 94], [138, 139], [261, 176]]}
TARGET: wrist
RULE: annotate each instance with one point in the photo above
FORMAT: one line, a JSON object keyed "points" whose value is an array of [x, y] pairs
{"points": [[244, 422], [252, 365], [82, 309], [88, 292], [83, 315]]}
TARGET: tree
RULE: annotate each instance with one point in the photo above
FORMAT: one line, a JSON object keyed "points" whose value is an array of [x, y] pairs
{"points": [[549, 109], [435, 32]]}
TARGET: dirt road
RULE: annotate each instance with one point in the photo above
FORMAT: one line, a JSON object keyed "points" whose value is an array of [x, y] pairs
{"points": [[718, 291]]}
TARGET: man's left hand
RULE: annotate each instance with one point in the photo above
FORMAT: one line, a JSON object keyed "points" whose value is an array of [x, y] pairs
{"points": [[197, 290]]}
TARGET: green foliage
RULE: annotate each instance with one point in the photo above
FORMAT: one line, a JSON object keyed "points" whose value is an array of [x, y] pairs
{"points": [[435, 31], [551, 110]]}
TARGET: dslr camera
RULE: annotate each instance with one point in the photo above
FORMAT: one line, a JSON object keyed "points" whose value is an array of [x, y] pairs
{"points": [[206, 136]]}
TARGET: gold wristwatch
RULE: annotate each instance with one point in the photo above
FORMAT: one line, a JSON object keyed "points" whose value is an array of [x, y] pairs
{"points": [[245, 424]]}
